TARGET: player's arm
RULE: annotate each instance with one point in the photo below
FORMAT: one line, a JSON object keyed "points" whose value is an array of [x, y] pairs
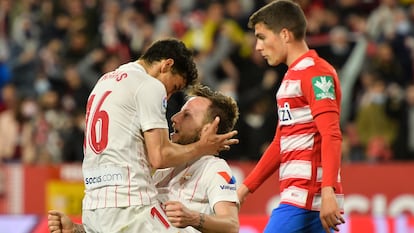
{"points": [[267, 165], [328, 126], [163, 153], [225, 219], [59, 222]]}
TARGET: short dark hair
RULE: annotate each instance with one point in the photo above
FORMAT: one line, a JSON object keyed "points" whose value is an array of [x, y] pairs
{"points": [[280, 14], [222, 106], [184, 64]]}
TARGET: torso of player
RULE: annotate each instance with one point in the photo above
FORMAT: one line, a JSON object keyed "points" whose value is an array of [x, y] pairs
{"points": [[123, 104], [199, 185], [310, 86]]}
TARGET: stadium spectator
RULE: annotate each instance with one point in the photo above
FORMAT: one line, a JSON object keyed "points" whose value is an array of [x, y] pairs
{"points": [[16, 128], [39, 38]]}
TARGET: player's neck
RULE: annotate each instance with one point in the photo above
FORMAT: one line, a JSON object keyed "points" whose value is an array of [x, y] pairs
{"points": [[143, 64], [297, 49], [151, 69]]}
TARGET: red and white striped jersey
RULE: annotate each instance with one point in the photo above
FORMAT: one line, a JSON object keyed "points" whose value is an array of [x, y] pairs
{"points": [[123, 104], [310, 87]]}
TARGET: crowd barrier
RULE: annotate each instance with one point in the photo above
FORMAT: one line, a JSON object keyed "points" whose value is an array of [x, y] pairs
{"points": [[378, 197]]}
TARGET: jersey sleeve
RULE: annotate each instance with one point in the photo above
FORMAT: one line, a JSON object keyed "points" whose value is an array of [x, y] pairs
{"points": [[331, 150], [321, 89], [151, 100], [221, 185]]}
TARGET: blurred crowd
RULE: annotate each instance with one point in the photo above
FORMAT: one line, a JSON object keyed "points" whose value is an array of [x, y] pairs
{"points": [[53, 51]]}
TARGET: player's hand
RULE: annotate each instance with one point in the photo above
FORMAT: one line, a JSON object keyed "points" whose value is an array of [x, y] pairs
{"points": [[179, 215], [59, 222], [242, 193], [330, 214], [211, 142]]}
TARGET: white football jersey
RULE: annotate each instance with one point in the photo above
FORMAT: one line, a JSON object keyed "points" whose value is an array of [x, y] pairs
{"points": [[123, 104], [199, 185]]}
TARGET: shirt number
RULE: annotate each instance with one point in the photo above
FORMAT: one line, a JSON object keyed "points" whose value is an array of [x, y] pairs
{"points": [[96, 133], [155, 213]]}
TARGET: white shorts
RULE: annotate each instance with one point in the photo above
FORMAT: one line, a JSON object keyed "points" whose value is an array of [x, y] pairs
{"points": [[133, 219]]}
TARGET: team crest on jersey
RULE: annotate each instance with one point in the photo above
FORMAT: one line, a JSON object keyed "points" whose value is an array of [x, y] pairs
{"points": [[323, 87], [186, 177]]}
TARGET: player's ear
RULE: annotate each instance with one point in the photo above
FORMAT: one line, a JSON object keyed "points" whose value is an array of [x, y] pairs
{"points": [[166, 65], [286, 35]]}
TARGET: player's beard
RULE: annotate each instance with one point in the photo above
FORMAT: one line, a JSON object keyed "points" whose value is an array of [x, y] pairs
{"points": [[188, 139]]}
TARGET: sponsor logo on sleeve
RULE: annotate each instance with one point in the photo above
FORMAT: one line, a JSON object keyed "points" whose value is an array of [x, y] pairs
{"points": [[323, 87], [230, 180]]}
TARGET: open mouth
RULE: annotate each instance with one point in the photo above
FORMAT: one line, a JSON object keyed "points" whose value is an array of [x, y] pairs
{"points": [[175, 130], [173, 134]]}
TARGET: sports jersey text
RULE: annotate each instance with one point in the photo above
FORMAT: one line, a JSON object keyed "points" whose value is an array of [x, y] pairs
{"points": [[224, 187], [105, 176], [285, 115], [118, 76]]}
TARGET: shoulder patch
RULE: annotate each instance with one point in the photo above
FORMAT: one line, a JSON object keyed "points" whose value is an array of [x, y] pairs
{"points": [[229, 179], [323, 87], [164, 103]]}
